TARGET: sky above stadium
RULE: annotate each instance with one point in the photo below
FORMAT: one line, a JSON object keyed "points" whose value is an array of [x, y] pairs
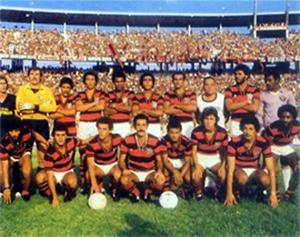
{"points": [[159, 6]]}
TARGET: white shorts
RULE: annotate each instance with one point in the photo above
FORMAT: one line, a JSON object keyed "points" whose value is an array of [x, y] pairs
{"points": [[208, 161], [122, 128], [155, 130], [60, 175], [17, 160], [282, 150], [142, 175], [86, 129], [106, 168], [177, 163], [234, 130], [187, 129]]}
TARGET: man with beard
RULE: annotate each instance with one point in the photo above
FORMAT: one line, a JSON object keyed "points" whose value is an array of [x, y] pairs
{"points": [[241, 99], [120, 105], [281, 134], [15, 147], [181, 104], [140, 161], [65, 112]]}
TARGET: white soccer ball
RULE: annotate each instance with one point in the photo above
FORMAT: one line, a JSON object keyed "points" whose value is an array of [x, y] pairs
{"points": [[168, 199], [97, 201]]}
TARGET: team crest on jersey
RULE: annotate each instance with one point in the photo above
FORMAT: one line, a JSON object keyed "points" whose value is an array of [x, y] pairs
{"points": [[69, 105], [218, 144], [154, 104], [282, 98], [41, 97], [149, 151], [249, 96], [186, 100], [124, 100], [256, 153]]}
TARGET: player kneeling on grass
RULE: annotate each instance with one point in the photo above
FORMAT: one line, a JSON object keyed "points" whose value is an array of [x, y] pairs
{"points": [[15, 147], [102, 158], [140, 161], [209, 144], [280, 134], [59, 165], [176, 155], [243, 170]]}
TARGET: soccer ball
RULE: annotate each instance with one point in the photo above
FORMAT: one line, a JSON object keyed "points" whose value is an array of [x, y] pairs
{"points": [[97, 201], [168, 199]]}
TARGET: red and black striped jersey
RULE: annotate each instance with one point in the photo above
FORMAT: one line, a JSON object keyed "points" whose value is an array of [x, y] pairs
{"points": [[87, 116], [176, 99], [123, 100], [248, 158], [184, 149], [141, 159], [69, 121], [237, 95], [276, 132], [219, 140], [16, 149], [7, 108], [152, 103], [104, 157], [59, 162]]}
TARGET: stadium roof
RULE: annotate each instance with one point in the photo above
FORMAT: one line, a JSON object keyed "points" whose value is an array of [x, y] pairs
{"points": [[45, 16]]}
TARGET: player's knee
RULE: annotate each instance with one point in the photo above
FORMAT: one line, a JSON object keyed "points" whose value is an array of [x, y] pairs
{"points": [[72, 183], [265, 180], [242, 180], [124, 180], [40, 177]]}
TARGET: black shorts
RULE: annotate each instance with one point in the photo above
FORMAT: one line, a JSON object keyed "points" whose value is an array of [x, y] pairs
{"points": [[39, 126]]}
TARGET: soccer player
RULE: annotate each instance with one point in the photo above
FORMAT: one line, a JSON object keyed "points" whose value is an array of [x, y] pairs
{"points": [[209, 144], [212, 98], [102, 157], [280, 134], [140, 160], [65, 102], [149, 103], [241, 99], [176, 155], [59, 165], [270, 100], [120, 104], [181, 104], [34, 101], [15, 147], [91, 104], [243, 168]]}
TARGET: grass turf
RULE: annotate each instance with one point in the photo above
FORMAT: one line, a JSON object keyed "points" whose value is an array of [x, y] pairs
{"points": [[207, 218]]}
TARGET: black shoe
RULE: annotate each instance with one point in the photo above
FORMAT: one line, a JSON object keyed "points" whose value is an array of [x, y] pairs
{"points": [[85, 191], [261, 197], [26, 197], [116, 197], [186, 195], [135, 199], [199, 197], [69, 196], [147, 198]]}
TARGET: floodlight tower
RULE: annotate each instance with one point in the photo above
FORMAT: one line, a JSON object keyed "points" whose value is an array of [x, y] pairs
{"points": [[287, 18], [254, 19]]}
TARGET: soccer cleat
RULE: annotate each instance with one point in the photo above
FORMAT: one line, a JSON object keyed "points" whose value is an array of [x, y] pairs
{"points": [[134, 198], [289, 196], [116, 197], [186, 195], [199, 197], [68, 196], [261, 197], [25, 195]]}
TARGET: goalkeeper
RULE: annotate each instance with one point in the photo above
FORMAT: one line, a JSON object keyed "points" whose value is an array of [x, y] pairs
{"points": [[34, 101]]}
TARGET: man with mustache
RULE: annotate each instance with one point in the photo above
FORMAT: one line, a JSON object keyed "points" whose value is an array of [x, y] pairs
{"points": [[241, 99], [140, 161], [243, 164], [15, 147], [280, 134]]}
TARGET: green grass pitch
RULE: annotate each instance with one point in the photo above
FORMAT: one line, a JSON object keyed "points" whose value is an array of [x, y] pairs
{"points": [[208, 218]]}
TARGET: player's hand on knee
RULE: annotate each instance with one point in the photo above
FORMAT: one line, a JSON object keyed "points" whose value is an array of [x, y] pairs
{"points": [[178, 180], [94, 189], [126, 172], [159, 178], [273, 201], [55, 203], [7, 196], [197, 174]]}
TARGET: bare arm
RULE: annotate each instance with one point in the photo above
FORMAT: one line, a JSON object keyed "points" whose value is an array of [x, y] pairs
{"points": [[188, 108], [232, 106], [91, 170], [51, 183], [170, 109], [270, 167], [81, 107], [122, 162], [230, 199], [158, 112], [6, 187], [186, 166], [253, 107]]}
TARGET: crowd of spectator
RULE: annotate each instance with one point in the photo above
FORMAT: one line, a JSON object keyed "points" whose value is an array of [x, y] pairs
{"points": [[163, 82], [147, 46]]}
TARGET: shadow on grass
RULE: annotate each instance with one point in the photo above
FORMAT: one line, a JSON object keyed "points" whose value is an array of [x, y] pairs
{"points": [[140, 227]]}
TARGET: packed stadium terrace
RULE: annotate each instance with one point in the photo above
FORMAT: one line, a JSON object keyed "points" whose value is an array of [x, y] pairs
{"points": [[147, 46], [163, 82]]}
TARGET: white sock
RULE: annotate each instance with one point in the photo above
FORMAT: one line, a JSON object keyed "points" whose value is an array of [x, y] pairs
{"points": [[286, 174]]}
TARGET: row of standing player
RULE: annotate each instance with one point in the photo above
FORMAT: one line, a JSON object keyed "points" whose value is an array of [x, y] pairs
{"points": [[239, 100]]}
